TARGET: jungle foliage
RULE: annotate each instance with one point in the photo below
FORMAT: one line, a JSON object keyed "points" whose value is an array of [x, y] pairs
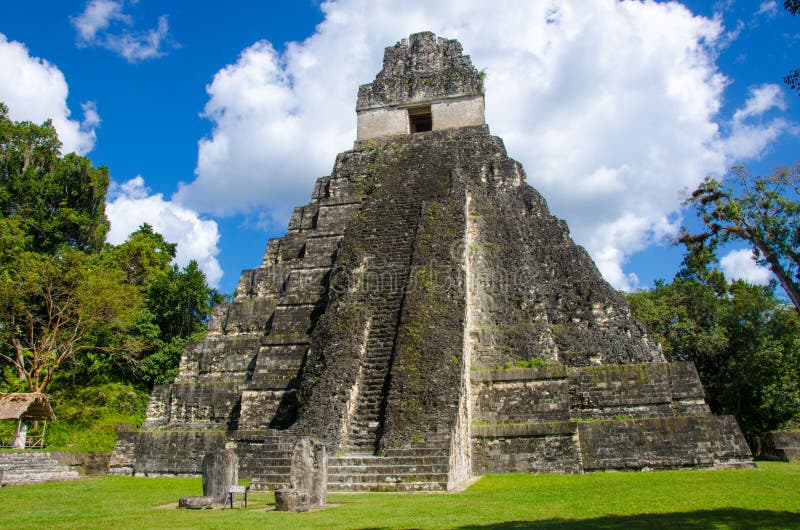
{"points": [[92, 324]]}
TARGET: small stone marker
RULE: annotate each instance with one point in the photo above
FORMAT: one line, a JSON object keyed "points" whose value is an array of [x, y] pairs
{"points": [[220, 472], [291, 500], [309, 470]]}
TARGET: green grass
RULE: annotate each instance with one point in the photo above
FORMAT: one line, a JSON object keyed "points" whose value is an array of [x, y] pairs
{"points": [[764, 498]]}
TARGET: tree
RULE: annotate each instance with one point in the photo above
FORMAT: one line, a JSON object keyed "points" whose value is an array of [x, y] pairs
{"points": [[56, 307], [793, 6], [144, 256], [179, 303], [58, 200], [763, 211]]}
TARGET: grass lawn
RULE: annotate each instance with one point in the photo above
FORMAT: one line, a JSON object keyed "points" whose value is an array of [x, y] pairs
{"points": [[765, 498]]}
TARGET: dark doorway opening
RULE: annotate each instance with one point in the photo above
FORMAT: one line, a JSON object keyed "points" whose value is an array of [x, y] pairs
{"points": [[420, 119]]}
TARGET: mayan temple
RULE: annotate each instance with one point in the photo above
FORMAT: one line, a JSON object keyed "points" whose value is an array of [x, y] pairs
{"points": [[428, 320]]}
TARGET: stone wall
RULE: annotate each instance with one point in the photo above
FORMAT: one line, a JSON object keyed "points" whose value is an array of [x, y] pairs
{"points": [[543, 296], [670, 442], [163, 453], [465, 112], [554, 419], [536, 448], [446, 114], [375, 123], [782, 446], [33, 467]]}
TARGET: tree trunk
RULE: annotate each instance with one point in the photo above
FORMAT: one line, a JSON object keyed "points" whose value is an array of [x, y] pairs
{"points": [[776, 268]]}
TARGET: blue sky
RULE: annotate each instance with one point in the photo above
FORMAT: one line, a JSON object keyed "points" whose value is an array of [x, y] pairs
{"points": [[215, 118]]}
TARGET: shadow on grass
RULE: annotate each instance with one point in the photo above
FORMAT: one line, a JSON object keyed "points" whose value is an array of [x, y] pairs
{"points": [[723, 518]]}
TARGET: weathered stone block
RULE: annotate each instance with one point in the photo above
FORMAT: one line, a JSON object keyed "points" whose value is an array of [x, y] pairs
{"points": [[558, 453], [656, 443], [309, 470], [291, 500], [220, 472], [198, 503], [173, 453]]}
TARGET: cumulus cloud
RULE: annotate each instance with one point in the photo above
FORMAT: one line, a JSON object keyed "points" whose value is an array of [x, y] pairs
{"points": [[613, 107], [104, 23], [131, 204], [740, 265], [36, 90]]}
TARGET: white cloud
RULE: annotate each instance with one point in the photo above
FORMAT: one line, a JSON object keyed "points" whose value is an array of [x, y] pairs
{"points": [[103, 23], [749, 135], [760, 100], [36, 90], [740, 265], [97, 16], [769, 8], [613, 107], [131, 204]]}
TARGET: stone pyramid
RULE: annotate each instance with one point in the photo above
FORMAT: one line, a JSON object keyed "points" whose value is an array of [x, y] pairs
{"points": [[429, 320]]}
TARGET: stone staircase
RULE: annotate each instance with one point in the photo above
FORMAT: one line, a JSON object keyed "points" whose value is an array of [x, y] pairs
{"points": [[366, 420], [33, 467], [391, 242], [419, 467], [273, 460]]}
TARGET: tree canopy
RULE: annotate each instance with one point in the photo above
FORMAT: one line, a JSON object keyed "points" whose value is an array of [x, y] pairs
{"points": [[55, 200], [763, 211]]}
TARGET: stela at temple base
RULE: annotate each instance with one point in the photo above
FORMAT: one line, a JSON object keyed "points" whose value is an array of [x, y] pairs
{"points": [[428, 320]]}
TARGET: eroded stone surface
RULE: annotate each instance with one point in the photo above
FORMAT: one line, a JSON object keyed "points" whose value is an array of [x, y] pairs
{"points": [[309, 470], [783, 446], [291, 500], [198, 503], [220, 472]]}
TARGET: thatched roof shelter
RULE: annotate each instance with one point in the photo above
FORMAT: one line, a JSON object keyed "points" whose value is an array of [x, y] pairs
{"points": [[32, 406]]}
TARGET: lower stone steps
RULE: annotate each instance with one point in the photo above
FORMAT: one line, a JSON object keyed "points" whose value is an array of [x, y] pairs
{"points": [[386, 487], [405, 471]]}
